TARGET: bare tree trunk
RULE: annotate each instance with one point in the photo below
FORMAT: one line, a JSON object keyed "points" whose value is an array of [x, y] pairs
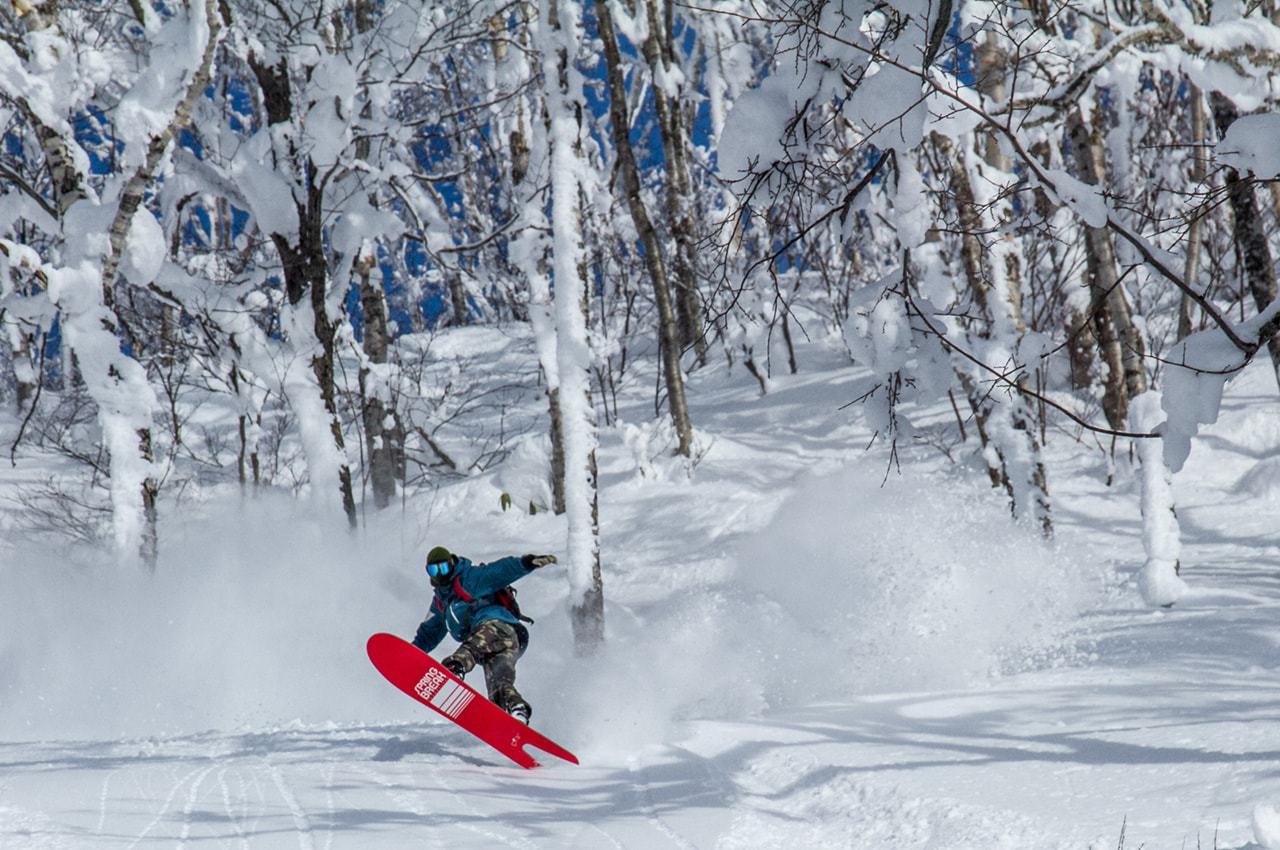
{"points": [[1120, 342], [557, 451], [587, 615], [993, 64], [529, 142], [386, 440], [1124, 351], [131, 199], [970, 260], [1250, 231], [24, 376], [1018, 439], [457, 300], [629, 186], [242, 431], [149, 545], [1080, 340], [659, 52], [990, 455], [1199, 171], [559, 51], [786, 338], [306, 271], [971, 250]]}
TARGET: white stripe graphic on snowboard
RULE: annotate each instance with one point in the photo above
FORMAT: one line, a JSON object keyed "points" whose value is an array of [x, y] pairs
{"points": [[451, 699]]}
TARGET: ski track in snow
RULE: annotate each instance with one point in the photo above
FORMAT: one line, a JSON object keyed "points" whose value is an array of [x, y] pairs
{"points": [[300, 819], [103, 797], [192, 797], [402, 800], [1164, 721], [475, 816], [164, 807], [641, 792], [232, 819], [329, 804]]}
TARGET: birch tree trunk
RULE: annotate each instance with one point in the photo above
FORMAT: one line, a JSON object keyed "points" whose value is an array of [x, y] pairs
{"points": [[1128, 404], [383, 428], [659, 53], [559, 22], [1119, 342], [1199, 170], [385, 438], [305, 271], [1008, 431], [1250, 230], [118, 383], [975, 277], [19, 343], [629, 187], [529, 251], [1028, 476]]}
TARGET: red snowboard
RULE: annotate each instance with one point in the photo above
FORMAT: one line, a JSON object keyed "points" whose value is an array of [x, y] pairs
{"points": [[421, 677]]}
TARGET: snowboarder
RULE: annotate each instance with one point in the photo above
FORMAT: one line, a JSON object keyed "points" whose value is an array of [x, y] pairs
{"points": [[476, 605]]}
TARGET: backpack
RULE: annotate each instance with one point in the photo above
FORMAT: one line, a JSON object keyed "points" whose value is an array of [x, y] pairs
{"points": [[506, 597]]}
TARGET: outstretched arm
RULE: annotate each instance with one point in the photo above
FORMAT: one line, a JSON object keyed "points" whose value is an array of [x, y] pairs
{"points": [[483, 579]]}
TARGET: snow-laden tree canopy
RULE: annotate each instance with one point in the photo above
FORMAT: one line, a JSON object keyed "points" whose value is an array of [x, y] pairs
{"points": [[232, 235]]}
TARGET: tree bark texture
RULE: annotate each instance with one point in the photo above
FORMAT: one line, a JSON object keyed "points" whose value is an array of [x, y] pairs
{"points": [[1199, 171], [1119, 339], [660, 54], [557, 451], [1017, 439], [1250, 230], [386, 440]]}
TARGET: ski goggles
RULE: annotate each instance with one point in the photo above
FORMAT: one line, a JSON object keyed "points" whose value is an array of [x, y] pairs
{"points": [[441, 569]]}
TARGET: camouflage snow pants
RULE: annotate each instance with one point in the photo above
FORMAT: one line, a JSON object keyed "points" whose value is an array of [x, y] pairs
{"points": [[495, 645]]}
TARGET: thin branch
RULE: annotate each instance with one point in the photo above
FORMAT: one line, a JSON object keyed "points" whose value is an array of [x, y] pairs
{"points": [[1144, 248], [1004, 378], [28, 190]]}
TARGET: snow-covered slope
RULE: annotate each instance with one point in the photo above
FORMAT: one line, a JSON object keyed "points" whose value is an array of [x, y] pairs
{"points": [[806, 649]]}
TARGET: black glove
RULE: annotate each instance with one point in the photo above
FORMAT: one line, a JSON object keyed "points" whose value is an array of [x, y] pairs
{"points": [[532, 562]]}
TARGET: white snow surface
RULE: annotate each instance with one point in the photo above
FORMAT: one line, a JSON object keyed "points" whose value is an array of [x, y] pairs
{"points": [[802, 652]]}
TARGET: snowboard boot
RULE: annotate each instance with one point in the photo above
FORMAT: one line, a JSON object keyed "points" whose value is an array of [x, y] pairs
{"points": [[520, 710], [455, 667], [509, 699]]}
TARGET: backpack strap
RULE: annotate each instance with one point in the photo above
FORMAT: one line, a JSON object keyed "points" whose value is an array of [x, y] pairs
{"points": [[505, 597], [460, 591]]}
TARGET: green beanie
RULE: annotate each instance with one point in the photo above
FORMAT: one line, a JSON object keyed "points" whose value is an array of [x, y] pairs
{"points": [[439, 555]]}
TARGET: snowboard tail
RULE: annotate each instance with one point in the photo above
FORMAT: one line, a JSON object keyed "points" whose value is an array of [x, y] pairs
{"points": [[427, 681]]}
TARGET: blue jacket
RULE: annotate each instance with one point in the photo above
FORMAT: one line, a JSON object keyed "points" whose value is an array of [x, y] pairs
{"points": [[450, 613]]}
